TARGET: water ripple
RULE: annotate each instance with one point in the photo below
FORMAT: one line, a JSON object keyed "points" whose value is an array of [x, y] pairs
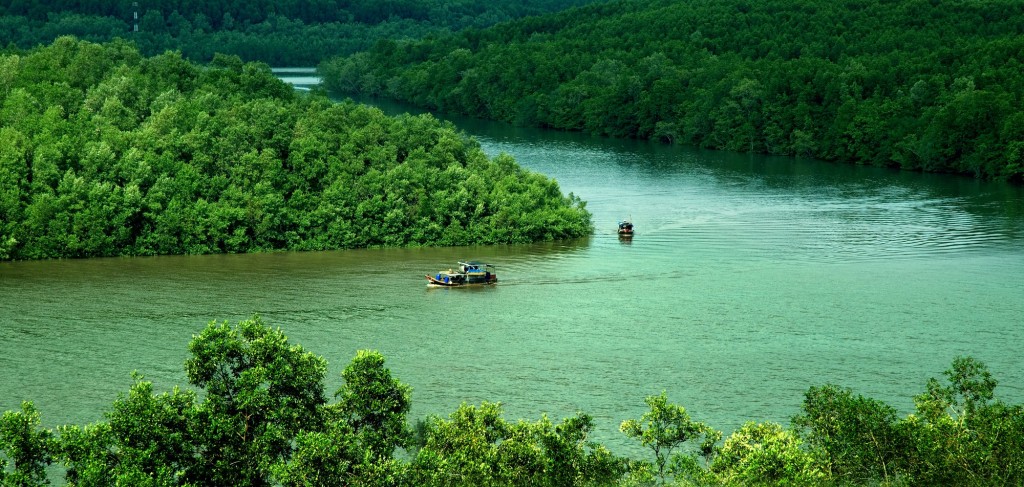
{"points": [[767, 225]]}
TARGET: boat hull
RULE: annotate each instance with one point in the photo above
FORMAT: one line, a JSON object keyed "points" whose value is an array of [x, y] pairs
{"points": [[435, 282]]}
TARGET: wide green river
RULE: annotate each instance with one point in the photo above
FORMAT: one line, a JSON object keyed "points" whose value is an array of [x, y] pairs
{"points": [[750, 279]]}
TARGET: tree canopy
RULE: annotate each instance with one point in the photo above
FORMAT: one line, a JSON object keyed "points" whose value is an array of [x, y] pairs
{"points": [[105, 152], [282, 33], [918, 85], [257, 414]]}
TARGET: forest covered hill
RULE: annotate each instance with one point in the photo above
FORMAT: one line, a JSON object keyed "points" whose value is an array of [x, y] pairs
{"points": [[918, 85], [106, 152], [281, 33]]}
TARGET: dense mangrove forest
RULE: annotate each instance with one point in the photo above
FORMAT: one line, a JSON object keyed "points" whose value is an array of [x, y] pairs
{"points": [[256, 413], [104, 152], [917, 85], [281, 33]]}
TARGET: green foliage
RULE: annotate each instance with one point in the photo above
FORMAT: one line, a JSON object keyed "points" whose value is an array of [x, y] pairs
{"points": [[476, 446], [666, 427], [260, 418], [964, 436], [859, 439], [88, 455], [374, 404], [260, 393], [26, 445], [150, 156], [147, 440], [334, 456], [917, 85], [765, 454], [283, 33], [960, 435]]}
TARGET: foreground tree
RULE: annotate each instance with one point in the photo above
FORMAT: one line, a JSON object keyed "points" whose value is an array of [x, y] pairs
{"points": [[148, 439], [857, 439], [374, 404], [666, 427], [765, 454], [361, 431], [477, 447], [962, 434], [260, 393], [26, 445], [260, 418]]}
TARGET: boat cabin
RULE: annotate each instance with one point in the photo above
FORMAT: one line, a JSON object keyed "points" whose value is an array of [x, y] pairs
{"points": [[626, 228]]}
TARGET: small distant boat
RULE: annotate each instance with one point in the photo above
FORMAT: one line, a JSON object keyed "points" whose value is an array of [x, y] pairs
{"points": [[467, 274], [625, 229]]}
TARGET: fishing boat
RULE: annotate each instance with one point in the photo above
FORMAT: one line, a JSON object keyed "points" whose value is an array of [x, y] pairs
{"points": [[467, 274], [625, 229]]}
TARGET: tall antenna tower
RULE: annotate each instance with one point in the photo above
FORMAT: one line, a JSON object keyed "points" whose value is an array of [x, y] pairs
{"points": [[135, 14]]}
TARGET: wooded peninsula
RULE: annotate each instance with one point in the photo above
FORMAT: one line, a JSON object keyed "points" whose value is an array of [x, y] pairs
{"points": [[917, 85], [104, 152]]}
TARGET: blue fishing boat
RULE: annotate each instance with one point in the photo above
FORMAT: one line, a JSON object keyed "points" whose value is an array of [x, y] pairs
{"points": [[467, 274]]}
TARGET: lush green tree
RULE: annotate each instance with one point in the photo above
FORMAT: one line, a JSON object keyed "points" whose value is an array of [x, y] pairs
{"points": [[476, 446], [859, 440], [665, 427], [374, 404], [765, 454], [147, 439], [260, 393], [29, 447], [336, 456], [361, 433], [14, 170], [87, 453], [962, 434], [261, 418]]}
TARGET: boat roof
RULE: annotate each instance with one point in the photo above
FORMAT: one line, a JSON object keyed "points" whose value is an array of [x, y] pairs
{"points": [[473, 262]]}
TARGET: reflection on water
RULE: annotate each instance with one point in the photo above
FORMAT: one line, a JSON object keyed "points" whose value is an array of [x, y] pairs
{"points": [[749, 280]]}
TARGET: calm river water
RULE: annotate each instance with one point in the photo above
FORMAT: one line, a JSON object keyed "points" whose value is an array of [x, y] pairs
{"points": [[750, 279]]}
